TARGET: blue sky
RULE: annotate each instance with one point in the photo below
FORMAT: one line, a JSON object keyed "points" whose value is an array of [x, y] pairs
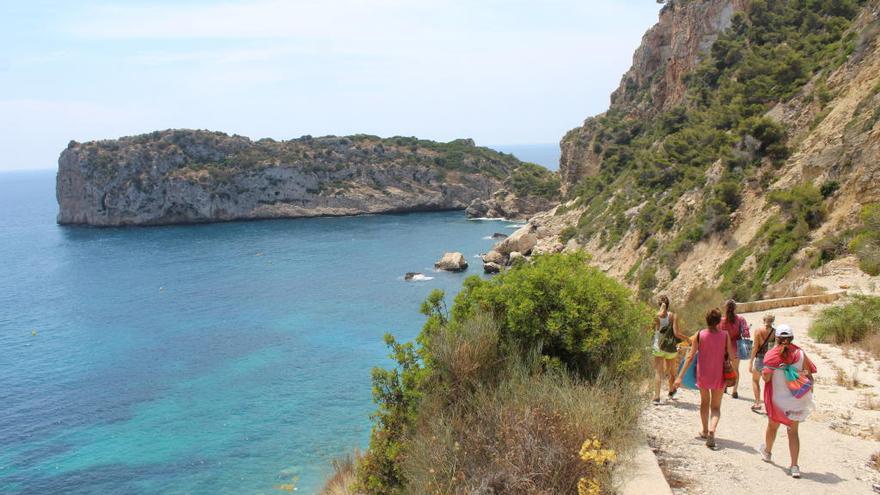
{"points": [[501, 72]]}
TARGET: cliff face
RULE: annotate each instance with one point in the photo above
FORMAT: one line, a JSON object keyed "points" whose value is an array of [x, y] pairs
{"points": [[737, 152], [184, 176], [655, 83]]}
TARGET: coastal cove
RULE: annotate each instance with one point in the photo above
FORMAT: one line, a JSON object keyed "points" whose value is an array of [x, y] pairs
{"points": [[229, 357]]}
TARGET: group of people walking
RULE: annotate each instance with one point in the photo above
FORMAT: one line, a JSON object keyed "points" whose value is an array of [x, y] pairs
{"points": [[712, 366]]}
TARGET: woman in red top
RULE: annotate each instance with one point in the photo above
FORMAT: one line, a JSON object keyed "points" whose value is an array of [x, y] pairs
{"points": [[735, 326]]}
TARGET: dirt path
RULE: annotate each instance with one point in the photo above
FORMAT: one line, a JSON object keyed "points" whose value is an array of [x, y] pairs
{"points": [[837, 441]]}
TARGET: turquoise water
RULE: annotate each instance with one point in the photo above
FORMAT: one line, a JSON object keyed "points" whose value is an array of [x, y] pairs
{"points": [[225, 358]]}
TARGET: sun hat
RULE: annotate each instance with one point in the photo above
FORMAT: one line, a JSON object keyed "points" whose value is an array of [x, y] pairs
{"points": [[783, 331]]}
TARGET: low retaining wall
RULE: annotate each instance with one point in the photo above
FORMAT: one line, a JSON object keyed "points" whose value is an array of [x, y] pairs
{"points": [[785, 302]]}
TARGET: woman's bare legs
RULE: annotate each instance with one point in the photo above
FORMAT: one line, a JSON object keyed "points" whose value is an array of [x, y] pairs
{"points": [[715, 407], [794, 442], [671, 372], [658, 375], [704, 410], [756, 386], [735, 362], [770, 435]]}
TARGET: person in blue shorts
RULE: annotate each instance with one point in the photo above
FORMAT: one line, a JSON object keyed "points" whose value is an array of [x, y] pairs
{"points": [[765, 338]]}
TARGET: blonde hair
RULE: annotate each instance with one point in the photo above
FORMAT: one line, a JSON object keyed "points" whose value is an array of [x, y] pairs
{"points": [[769, 318]]}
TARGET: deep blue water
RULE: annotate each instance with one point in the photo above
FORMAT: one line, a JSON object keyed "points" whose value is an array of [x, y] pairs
{"points": [[225, 358], [543, 154]]}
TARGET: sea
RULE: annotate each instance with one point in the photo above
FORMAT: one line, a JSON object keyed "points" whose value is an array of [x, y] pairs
{"points": [[204, 359]]}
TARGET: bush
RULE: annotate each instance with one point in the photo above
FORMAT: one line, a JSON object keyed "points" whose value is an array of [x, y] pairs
{"points": [[571, 326], [573, 313], [521, 436], [851, 323], [829, 187], [866, 244], [529, 179]]}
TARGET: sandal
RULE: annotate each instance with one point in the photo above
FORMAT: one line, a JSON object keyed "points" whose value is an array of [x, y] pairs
{"points": [[756, 408], [710, 441], [703, 435]]}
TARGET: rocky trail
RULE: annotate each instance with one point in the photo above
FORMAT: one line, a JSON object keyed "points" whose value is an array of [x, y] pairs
{"points": [[837, 441]]}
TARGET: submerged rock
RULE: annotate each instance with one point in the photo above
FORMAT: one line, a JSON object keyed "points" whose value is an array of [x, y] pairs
{"points": [[411, 275], [499, 236], [491, 267]]}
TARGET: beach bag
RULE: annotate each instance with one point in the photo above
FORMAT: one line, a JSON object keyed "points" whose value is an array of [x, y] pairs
{"points": [[729, 373], [668, 340], [689, 380], [798, 384], [744, 348]]}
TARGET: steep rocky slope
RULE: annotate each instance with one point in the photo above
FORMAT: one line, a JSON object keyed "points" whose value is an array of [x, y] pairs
{"points": [[187, 176], [737, 153]]}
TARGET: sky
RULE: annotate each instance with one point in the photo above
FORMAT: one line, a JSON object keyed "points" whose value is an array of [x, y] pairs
{"points": [[500, 72]]}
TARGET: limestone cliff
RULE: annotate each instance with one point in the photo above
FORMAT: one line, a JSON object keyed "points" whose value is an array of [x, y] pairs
{"points": [[187, 176], [737, 152]]}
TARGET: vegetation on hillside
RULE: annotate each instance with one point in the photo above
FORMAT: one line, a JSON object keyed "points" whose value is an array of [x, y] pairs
{"points": [[857, 322], [525, 385], [222, 154], [719, 141]]}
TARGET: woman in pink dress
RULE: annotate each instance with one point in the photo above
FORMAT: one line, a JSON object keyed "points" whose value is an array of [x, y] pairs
{"points": [[737, 327], [712, 344]]}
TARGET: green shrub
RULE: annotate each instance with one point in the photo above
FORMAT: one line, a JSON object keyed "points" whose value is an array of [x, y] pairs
{"points": [[829, 187], [647, 282], [850, 323], [572, 327], [866, 243], [573, 313], [529, 179], [567, 234]]}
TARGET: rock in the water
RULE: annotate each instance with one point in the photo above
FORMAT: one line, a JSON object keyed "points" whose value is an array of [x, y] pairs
{"points": [[522, 241], [411, 275], [499, 236], [452, 262], [506, 204], [491, 267], [494, 257]]}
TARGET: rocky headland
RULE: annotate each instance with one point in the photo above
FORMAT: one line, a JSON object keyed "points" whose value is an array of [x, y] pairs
{"points": [[194, 176], [739, 152]]}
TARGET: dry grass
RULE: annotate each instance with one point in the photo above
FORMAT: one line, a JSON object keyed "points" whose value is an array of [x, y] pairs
{"points": [[869, 402], [874, 463], [522, 436], [344, 476], [871, 344], [849, 381], [692, 315]]}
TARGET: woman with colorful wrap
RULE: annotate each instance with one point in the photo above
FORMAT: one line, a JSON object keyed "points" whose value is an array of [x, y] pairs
{"points": [[714, 346], [788, 393]]}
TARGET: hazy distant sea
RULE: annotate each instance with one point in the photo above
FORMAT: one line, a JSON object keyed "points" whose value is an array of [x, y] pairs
{"points": [[211, 359], [542, 154]]}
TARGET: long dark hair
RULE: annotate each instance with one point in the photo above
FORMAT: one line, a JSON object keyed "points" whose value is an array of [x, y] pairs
{"points": [[730, 310]]}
